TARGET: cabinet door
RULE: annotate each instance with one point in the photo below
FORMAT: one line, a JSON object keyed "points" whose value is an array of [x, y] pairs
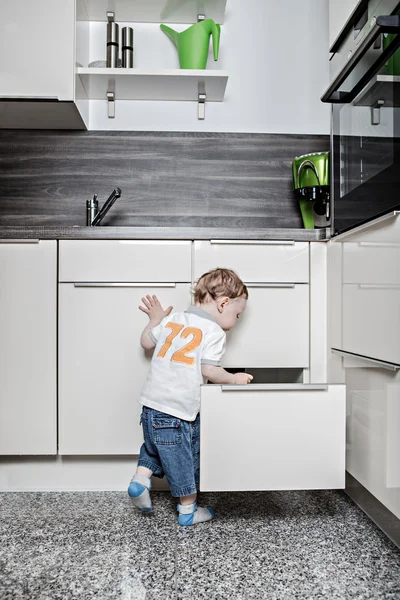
{"points": [[28, 325], [272, 437], [274, 329], [371, 321], [102, 366], [371, 289], [37, 58]]}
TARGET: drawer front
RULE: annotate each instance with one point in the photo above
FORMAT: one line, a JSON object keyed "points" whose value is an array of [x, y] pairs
{"points": [[125, 260], [291, 438], [273, 331], [373, 255], [371, 321], [102, 369], [264, 261], [371, 262]]}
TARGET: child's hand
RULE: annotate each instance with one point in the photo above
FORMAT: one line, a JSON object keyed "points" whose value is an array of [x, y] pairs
{"points": [[153, 308], [243, 378]]}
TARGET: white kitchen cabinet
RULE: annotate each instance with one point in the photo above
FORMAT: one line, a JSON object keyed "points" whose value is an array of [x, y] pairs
{"points": [[38, 49], [274, 330], [272, 437], [102, 366], [37, 64], [371, 290], [28, 324]]}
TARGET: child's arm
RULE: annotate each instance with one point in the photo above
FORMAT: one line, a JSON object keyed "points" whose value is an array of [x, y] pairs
{"points": [[219, 375], [156, 314]]}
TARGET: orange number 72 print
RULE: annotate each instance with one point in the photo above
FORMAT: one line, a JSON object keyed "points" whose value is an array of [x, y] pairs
{"points": [[180, 355]]}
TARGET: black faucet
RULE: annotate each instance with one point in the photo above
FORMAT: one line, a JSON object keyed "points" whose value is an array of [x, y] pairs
{"points": [[94, 216]]}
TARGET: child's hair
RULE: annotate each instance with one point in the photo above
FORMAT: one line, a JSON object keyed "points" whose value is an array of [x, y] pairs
{"points": [[219, 282]]}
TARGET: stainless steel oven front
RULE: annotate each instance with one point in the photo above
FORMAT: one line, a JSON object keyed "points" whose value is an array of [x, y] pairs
{"points": [[365, 97]]}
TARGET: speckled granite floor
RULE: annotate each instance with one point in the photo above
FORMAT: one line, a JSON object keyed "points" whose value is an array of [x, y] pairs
{"points": [[266, 545]]}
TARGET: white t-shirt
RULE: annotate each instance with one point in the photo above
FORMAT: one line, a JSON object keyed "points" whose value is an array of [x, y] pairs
{"points": [[184, 341]]}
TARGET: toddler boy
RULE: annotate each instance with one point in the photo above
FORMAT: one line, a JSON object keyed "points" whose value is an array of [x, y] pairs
{"points": [[188, 347]]}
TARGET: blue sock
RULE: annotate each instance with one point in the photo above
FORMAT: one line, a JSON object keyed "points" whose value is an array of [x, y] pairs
{"points": [[138, 491], [192, 514]]}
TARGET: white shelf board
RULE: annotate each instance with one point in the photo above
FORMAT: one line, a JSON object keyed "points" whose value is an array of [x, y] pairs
{"points": [[151, 11], [381, 87], [154, 84]]}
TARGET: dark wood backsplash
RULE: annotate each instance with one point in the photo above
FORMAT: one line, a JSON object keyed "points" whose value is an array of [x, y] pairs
{"points": [[167, 179]]}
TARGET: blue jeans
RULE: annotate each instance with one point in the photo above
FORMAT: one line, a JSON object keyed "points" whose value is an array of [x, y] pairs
{"points": [[171, 448]]}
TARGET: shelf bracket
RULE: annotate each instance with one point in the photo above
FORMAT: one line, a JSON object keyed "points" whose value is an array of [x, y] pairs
{"points": [[201, 101], [111, 105], [201, 17], [376, 112], [110, 16]]}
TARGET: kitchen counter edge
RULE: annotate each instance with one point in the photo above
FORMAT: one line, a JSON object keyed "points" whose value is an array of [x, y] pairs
{"points": [[159, 233]]}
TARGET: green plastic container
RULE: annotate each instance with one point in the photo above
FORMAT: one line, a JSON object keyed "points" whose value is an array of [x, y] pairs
{"points": [[310, 171], [193, 43]]}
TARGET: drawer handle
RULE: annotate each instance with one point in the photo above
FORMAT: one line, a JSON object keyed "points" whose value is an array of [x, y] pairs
{"points": [[256, 242], [22, 241], [265, 387], [379, 286], [270, 285], [381, 363], [380, 244], [122, 284]]}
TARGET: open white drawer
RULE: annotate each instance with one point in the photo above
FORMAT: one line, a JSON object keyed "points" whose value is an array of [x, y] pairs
{"points": [[272, 437]]}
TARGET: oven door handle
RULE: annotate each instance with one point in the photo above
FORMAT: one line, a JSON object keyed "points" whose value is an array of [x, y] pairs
{"points": [[384, 24]]}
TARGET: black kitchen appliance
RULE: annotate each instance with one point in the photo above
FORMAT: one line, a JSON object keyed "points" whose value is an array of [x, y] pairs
{"points": [[365, 97]]}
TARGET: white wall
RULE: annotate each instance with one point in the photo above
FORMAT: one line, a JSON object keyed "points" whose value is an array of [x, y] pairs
{"points": [[276, 54]]}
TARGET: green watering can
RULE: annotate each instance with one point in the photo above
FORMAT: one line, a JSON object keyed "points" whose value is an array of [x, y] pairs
{"points": [[193, 43]]}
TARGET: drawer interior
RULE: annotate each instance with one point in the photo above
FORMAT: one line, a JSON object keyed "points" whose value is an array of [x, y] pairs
{"points": [[264, 375]]}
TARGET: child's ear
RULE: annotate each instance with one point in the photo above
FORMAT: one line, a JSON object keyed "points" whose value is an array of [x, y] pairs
{"points": [[222, 302]]}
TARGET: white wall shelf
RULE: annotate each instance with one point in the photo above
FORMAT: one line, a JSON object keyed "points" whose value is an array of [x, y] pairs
{"points": [[152, 84], [151, 11]]}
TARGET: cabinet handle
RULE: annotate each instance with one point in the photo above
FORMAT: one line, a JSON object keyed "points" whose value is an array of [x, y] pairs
{"points": [[256, 242], [270, 285], [381, 363], [30, 98], [380, 244], [22, 241], [265, 387], [378, 286], [89, 284]]}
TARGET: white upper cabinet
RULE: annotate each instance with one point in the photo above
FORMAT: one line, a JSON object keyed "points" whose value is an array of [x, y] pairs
{"points": [[28, 349], [37, 65], [38, 40], [339, 12]]}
